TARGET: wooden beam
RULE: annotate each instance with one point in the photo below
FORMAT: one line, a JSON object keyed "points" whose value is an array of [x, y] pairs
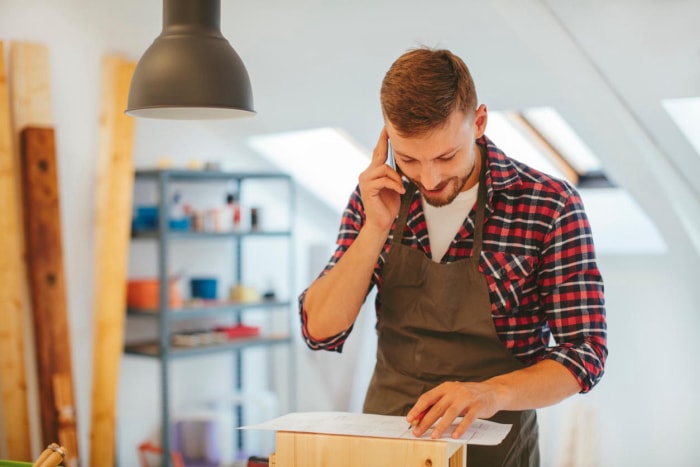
{"points": [[30, 105], [14, 294], [30, 101], [30, 86], [114, 186], [48, 289], [549, 151]]}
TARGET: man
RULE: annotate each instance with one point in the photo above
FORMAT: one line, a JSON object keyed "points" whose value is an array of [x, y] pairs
{"points": [[477, 258]]}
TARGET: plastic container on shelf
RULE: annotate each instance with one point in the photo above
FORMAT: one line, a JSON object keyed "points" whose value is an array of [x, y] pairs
{"points": [[204, 288], [145, 293]]}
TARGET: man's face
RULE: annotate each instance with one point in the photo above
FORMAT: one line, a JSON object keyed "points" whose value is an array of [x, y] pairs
{"points": [[443, 162]]}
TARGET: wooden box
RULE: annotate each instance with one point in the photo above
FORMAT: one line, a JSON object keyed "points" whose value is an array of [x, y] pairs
{"points": [[293, 449]]}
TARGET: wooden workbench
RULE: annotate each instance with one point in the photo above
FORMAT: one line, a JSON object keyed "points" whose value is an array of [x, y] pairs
{"points": [[295, 449]]}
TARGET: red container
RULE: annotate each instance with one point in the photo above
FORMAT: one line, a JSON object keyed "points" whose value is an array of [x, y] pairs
{"points": [[239, 330], [145, 294]]}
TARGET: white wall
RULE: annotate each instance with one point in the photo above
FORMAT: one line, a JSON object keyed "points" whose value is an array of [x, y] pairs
{"points": [[645, 409], [645, 403]]}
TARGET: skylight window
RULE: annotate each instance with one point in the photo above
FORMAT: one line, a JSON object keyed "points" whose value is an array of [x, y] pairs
{"points": [[552, 126], [326, 161], [541, 138], [516, 144], [686, 113]]}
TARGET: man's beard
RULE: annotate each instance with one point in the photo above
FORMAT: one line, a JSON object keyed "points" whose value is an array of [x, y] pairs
{"points": [[454, 184]]}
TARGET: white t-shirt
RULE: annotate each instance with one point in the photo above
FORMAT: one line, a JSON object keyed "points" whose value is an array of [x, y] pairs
{"points": [[444, 222]]}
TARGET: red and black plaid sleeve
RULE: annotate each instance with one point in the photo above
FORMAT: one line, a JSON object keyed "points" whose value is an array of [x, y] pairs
{"points": [[571, 294], [350, 225]]}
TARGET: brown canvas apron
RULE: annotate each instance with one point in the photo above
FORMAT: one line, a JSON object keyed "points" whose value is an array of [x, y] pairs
{"points": [[436, 326]]}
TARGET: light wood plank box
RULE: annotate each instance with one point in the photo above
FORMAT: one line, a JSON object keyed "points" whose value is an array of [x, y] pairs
{"points": [[294, 449]]}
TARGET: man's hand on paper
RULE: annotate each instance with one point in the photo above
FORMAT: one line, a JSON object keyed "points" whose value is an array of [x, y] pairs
{"points": [[450, 400]]}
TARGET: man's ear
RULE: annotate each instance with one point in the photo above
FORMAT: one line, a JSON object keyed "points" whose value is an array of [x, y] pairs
{"points": [[480, 120]]}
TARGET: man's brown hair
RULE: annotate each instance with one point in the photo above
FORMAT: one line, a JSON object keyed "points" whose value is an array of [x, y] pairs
{"points": [[422, 89]]}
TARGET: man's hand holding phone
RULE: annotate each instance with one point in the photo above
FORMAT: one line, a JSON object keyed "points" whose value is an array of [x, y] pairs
{"points": [[381, 187]]}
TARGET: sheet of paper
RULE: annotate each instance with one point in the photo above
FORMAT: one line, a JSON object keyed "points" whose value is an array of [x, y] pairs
{"points": [[483, 432]]}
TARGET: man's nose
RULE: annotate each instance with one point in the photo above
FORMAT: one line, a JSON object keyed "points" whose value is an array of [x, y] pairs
{"points": [[429, 177]]}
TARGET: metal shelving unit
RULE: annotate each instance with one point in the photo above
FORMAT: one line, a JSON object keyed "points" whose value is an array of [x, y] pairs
{"points": [[162, 349]]}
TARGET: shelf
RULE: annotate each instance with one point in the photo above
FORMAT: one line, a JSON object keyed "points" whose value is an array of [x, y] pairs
{"points": [[185, 235], [166, 344], [203, 311], [151, 348]]}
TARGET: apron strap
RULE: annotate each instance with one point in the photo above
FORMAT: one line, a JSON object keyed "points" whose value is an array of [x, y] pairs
{"points": [[480, 207], [400, 222]]}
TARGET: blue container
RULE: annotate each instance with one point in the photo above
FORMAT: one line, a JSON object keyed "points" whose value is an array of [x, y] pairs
{"points": [[179, 225], [146, 218], [149, 214], [203, 287]]}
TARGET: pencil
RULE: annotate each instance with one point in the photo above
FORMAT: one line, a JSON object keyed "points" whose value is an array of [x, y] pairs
{"points": [[418, 418]]}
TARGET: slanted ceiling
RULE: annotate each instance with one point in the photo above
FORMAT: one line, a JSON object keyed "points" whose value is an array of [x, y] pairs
{"points": [[605, 65]]}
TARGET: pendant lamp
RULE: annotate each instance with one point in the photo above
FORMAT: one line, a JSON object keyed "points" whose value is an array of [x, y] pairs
{"points": [[190, 72]]}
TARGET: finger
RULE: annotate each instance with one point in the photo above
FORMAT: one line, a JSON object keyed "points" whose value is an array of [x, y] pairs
{"points": [[380, 171], [439, 417], [424, 402], [396, 182], [445, 422], [379, 155], [430, 399], [464, 425], [375, 181], [424, 423], [417, 419], [428, 422]]}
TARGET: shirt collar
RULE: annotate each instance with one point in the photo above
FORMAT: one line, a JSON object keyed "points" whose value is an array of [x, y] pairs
{"points": [[501, 173]]}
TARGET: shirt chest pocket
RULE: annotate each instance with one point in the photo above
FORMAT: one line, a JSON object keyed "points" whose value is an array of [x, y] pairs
{"points": [[510, 281]]}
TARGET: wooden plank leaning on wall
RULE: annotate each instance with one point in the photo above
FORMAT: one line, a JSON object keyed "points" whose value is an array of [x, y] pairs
{"points": [[48, 290], [14, 290], [114, 187], [30, 92]]}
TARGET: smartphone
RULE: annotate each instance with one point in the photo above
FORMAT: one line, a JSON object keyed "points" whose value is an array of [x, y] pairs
{"points": [[390, 155]]}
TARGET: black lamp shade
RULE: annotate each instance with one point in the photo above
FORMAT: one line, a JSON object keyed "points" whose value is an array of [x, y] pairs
{"points": [[190, 72]]}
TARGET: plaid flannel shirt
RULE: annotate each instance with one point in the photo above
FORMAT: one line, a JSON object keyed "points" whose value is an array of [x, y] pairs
{"points": [[538, 258]]}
